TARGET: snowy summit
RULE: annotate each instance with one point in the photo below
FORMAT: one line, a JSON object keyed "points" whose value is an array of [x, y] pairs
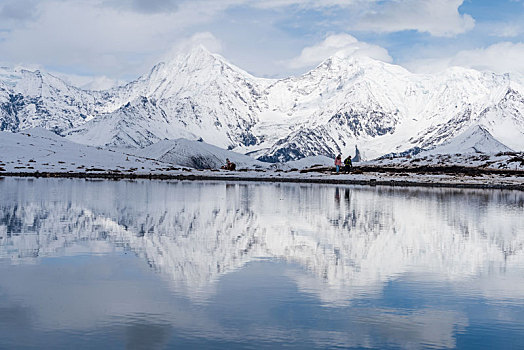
{"points": [[345, 101]]}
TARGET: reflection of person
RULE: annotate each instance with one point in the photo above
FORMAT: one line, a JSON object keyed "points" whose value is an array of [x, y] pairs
{"points": [[337, 196], [346, 194], [338, 162]]}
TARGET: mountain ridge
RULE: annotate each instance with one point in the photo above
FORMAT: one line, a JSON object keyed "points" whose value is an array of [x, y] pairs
{"points": [[342, 102]]}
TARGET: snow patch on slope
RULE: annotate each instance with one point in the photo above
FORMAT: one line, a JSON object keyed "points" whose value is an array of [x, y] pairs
{"points": [[474, 140], [41, 150], [195, 154], [137, 124], [310, 161]]}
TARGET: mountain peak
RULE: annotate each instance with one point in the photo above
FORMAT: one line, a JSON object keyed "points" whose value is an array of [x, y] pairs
{"points": [[200, 61], [348, 99], [199, 50], [196, 56], [348, 63]]}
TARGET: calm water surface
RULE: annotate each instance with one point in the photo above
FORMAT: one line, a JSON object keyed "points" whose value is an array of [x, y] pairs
{"points": [[207, 265]]}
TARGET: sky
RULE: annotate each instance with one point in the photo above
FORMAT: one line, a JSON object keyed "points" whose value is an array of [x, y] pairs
{"points": [[99, 43]]}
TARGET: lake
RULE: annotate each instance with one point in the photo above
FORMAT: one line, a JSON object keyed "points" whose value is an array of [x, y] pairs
{"points": [[213, 265]]}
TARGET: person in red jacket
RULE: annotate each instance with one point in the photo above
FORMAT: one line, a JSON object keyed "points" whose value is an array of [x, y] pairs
{"points": [[338, 162]]}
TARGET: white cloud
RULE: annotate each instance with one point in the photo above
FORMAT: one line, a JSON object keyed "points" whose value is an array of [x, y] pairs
{"points": [[504, 57], [507, 30], [88, 36], [158, 6], [315, 54], [89, 82], [436, 17], [303, 3], [122, 39], [206, 39]]}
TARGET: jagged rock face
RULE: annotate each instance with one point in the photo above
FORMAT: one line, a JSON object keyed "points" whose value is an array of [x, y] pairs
{"points": [[8, 110], [373, 123], [343, 102], [331, 138], [36, 99]]}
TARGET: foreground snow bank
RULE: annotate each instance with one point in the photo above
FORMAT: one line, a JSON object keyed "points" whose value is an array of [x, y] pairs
{"points": [[41, 150]]}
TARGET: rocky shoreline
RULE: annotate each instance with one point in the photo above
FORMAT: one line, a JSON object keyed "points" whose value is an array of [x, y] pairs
{"points": [[452, 177]]}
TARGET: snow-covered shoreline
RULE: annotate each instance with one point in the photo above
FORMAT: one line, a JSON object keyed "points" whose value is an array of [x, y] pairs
{"points": [[484, 181], [40, 153]]}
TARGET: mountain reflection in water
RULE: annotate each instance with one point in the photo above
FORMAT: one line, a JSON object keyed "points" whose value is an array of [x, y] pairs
{"points": [[346, 244]]}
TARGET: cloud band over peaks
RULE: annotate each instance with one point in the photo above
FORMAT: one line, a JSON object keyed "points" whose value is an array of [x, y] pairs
{"points": [[313, 55]]}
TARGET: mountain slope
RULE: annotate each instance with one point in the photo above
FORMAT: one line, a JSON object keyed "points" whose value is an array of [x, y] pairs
{"points": [[201, 93], [474, 140], [8, 116], [40, 150], [384, 108], [505, 119], [137, 124], [35, 99], [345, 101], [195, 154]]}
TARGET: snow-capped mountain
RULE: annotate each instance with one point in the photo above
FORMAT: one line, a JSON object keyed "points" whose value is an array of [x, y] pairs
{"points": [[474, 140], [36, 99], [384, 108], [196, 95], [345, 101]]}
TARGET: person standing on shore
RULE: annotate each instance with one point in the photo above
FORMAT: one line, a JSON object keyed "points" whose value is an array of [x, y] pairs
{"points": [[347, 164], [338, 162], [229, 165]]}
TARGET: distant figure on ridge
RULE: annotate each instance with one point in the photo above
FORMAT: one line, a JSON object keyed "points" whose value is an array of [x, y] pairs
{"points": [[347, 164], [357, 157], [338, 162]]}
